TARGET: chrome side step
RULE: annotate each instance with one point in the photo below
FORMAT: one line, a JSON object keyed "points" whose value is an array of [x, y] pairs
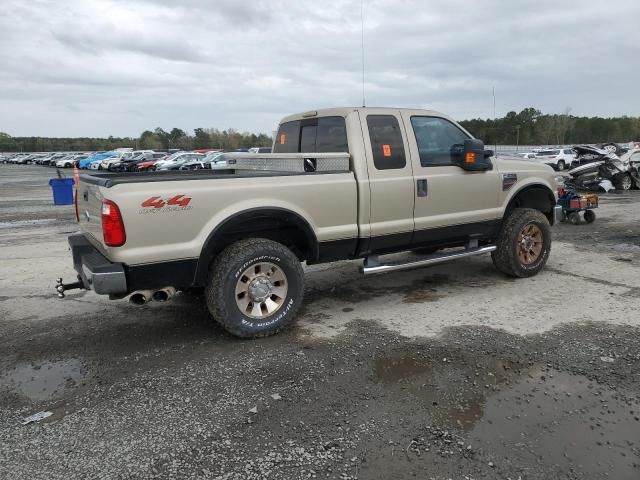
{"points": [[370, 265]]}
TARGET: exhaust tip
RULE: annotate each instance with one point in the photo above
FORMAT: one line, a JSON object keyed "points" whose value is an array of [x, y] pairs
{"points": [[164, 294], [160, 296], [138, 299]]}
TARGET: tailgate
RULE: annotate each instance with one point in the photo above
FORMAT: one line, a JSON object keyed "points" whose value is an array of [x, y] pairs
{"points": [[90, 210]]}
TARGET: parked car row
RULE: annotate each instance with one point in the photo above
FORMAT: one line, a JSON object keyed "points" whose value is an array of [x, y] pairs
{"points": [[126, 159]]}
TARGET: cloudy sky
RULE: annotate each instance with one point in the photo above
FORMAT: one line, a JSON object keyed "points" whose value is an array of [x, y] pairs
{"points": [[118, 67]]}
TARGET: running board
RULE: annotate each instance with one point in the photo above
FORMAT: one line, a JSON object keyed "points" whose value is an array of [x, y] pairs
{"points": [[427, 260]]}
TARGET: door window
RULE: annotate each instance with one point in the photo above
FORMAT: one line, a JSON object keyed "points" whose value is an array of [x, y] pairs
{"points": [[439, 141], [386, 142]]}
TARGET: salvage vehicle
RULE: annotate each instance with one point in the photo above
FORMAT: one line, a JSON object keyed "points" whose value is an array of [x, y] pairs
{"points": [[343, 183], [600, 169]]}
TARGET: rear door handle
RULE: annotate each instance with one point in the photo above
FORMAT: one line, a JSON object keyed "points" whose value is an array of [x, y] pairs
{"points": [[422, 187]]}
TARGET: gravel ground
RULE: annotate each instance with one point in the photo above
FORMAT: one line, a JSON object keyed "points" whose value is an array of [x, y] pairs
{"points": [[446, 372]]}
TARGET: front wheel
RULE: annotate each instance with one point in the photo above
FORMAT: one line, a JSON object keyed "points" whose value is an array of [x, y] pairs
{"points": [[561, 165], [524, 243], [256, 287]]}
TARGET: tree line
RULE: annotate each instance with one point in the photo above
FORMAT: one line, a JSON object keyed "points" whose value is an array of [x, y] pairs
{"points": [[529, 127], [229, 139], [532, 127]]}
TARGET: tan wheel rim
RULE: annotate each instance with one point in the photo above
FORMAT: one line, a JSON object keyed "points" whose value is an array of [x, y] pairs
{"points": [[530, 243], [261, 290]]}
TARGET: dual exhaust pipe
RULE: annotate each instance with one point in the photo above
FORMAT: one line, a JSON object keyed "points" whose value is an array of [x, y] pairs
{"points": [[140, 297]]}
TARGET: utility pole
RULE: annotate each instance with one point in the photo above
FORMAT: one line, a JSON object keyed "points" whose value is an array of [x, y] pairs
{"points": [[517, 137]]}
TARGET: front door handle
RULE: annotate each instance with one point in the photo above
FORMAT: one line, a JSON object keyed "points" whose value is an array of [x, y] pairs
{"points": [[422, 187]]}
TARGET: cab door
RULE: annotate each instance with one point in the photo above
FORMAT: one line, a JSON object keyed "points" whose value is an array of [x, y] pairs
{"points": [[391, 184], [451, 203]]}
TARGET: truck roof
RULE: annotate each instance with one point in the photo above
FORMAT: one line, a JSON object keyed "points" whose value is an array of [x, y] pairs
{"points": [[344, 111]]}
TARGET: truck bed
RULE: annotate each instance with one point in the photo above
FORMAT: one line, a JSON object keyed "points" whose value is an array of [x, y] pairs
{"points": [[109, 180]]}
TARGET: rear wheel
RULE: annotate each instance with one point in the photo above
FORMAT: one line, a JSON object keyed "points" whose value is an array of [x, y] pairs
{"points": [[524, 243], [256, 287], [623, 181], [561, 165]]}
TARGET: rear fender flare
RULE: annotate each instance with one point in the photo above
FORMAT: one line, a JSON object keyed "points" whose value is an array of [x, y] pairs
{"points": [[212, 244]]}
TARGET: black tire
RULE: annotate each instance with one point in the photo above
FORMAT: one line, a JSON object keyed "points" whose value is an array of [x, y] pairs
{"points": [[506, 258], [589, 216], [623, 181], [227, 269], [560, 165], [574, 218]]}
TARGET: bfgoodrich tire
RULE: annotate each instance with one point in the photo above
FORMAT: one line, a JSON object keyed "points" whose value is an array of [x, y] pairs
{"points": [[256, 287], [524, 243]]}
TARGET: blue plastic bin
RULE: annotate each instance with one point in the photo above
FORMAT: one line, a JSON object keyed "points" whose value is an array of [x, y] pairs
{"points": [[62, 190]]}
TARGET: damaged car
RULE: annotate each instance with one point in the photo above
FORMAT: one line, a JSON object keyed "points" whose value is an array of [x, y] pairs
{"points": [[598, 169]]}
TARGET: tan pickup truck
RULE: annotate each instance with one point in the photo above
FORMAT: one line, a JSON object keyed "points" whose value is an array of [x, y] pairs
{"points": [[343, 183]]}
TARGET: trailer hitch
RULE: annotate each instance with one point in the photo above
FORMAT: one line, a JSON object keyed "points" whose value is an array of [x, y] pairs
{"points": [[63, 287]]}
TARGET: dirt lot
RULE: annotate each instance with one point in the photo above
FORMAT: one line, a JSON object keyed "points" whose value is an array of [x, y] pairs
{"points": [[446, 372]]}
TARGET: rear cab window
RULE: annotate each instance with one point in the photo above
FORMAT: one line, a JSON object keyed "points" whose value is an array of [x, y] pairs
{"points": [[312, 135]]}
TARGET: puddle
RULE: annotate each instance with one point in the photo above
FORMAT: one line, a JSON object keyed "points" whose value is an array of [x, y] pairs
{"points": [[537, 413], [44, 381], [466, 414], [566, 421], [399, 368]]}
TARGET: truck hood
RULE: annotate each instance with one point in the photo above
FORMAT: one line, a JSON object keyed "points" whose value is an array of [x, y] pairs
{"points": [[516, 165]]}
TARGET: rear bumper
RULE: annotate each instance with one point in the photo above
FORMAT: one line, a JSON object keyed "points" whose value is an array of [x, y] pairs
{"points": [[95, 271], [99, 274]]}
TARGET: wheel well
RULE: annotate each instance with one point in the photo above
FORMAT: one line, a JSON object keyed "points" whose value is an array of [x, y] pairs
{"points": [[537, 197], [279, 225]]}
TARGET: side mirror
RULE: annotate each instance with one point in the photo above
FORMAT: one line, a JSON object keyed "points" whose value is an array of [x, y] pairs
{"points": [[474, 158]]}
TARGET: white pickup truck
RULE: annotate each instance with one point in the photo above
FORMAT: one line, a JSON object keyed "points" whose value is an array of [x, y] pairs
{"points": [[343, 183]]}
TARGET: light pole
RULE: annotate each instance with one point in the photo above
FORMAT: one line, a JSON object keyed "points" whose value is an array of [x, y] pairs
{"points": [[517, 137]]}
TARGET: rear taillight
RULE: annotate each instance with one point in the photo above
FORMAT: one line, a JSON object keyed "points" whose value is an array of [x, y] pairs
{"points": [[112, 225]]}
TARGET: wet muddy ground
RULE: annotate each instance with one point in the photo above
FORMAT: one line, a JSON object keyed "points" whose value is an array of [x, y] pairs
{"points": [[447, 372]]}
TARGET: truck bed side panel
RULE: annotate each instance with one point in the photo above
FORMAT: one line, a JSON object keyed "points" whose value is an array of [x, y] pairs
{"points": [[171, 220]]}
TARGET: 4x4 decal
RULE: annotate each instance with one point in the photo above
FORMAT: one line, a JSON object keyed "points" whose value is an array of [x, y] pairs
{"points": [[158, 204]]}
